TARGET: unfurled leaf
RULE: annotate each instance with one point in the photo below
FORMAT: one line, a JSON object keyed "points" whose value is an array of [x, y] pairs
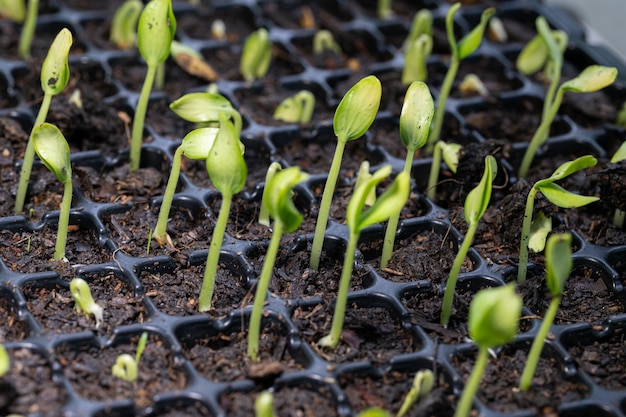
{"points": [[539, 229], [570, 167], [155, 31], [478, 199], [225, 163], [55, 70], [558, 262], [494, 316], [620, 154], [561, 197], [357, 109], [472, 40], [593, 78], [416, 116], [53, 150]]}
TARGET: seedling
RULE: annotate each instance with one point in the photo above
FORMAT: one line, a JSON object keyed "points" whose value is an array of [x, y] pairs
{"points": [[620, 215], [256, 56], [383, 9], [127, 367], [558, 267], [286, 219], [422, 385], [155, 33], [475, 206], [417, 48], [422, 24], [228, 171], [354, 115], [450, 154], [493, 320], [264, 405], [264, 214], [388, 204], [556, 195], [323, 41], [196, 145], [14, 10], [55, 74], [84, 301], [458, 51], [5, 361], [205, 108], [415, 119], [297, 108], [124, 24], [54, 152], [192, 62]]}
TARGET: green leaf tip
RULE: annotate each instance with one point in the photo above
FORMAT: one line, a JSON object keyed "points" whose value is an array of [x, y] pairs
{"points": [[494, 316], [558, 262], [593, 78], [478, 199], [55, 70], [416, 116], [53, 150], [470, 42], [155, 31], [201, 107], [279, 202], [358, 108]]}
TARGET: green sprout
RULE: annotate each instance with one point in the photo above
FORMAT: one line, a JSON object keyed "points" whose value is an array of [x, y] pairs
{"points": [[354, 115], [620, 155], [28, 30], [14, 10], [228, 171], [256, 56], [206, 108], [264, 405], [475, 206], [450, 154], [264, 214], [297, 108], [124, 24], [415, 119], [195, 145], [54, 152], [84, 301], [5, 361], [422, 385], [126, 367], [155, 32], [388, 204], [55, 73], [192, 61], [286, 219], [374, 412], [458, 51], [556, 195], [383, 9], [363, 175], [558, 267], [493, 320], [323, 41], [417, 47]]}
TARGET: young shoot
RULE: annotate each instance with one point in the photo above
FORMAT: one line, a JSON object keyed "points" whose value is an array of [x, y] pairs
{"points": [[323, 41], [620, 155], [196, 145], [192, 62], [55, 73], [264, 405], [286, 219], [417, 47], [493, 320], [558, 267], [415, 119], [354, 115], [422, 385], [14, 10], [388, 204], [557, 196], [155, 32], [297, 108], [264, 214], [28, 29], [5, 361], [475, 206], [84, 301], [256, 56], [450, 154], [592, 78], [126, 367], [124, 24], [206, 108], [458, 51], [54, 152], [383, 9], [228, 171]]}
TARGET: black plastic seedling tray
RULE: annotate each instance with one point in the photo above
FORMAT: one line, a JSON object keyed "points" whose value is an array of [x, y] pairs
{"points": [[56, 353]]}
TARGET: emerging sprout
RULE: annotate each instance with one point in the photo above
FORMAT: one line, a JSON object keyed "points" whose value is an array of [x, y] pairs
{"points": [[297, 108], [558, 268], [124, 24], [286, 219], [415, 119], [422, 24], [54, 152], [155, 33], [196, 145], [264, 405], [450, 154], [55, 74], [218, 30], [84, 301], [422, 385], [206, 107], [475, 206], [493, 320], [556, 195], [354, 115], [5, 361], [192, 62], [473, 84], [417, 47], [387, 205], [458, 51], [496, 30], [228, 171], [256, 56], [323, 41], [127, 367], [14, 10]]}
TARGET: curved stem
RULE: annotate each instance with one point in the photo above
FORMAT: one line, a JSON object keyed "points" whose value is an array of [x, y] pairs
{"points": [[332, 339], [535, 351], [446, 307], [261, 291], [64, 219], [160, 231], [213, 257], [29, 155], [327, 196], [139, 119], [464, 406], [444, 92], [28, 29], [523, 249]]}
